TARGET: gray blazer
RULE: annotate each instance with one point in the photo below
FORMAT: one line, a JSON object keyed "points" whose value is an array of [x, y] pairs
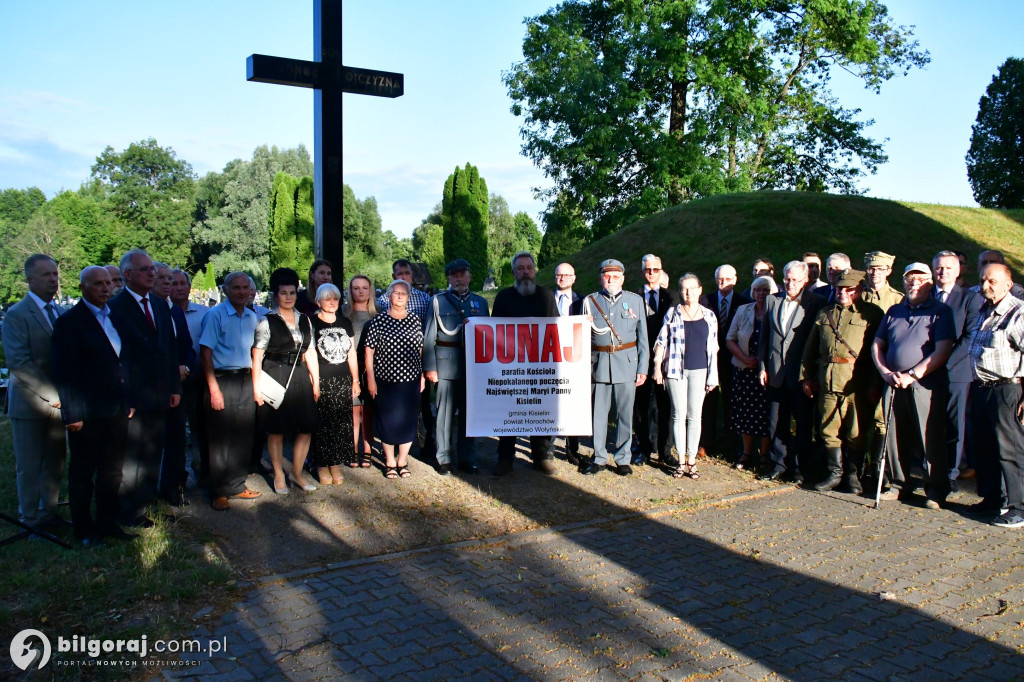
{"points": [[781, 350], [26, 338], [444, 349], [628, 315]]}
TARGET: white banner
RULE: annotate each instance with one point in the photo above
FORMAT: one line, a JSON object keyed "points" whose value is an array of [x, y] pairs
{"points": [[528, 376]]}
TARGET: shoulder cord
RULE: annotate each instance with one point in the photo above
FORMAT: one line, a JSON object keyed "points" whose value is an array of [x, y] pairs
{"points": [[440, 325]]}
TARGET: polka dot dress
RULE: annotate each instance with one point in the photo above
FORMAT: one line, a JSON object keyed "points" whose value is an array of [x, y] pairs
{"points": [[749, 403]]}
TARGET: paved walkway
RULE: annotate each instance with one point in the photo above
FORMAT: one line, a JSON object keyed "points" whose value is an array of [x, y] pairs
{"points": [[794, 584]]}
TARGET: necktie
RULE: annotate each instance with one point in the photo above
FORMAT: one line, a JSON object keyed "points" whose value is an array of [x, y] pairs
{"points": [[652, 300], [723, 312], [149, 315], [51, 315], [941, 295], [563, 307]]}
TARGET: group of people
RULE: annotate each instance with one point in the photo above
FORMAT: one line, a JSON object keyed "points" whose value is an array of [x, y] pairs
{"points": [[863, 371]]}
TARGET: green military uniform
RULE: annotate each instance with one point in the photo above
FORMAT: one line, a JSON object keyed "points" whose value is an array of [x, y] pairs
{"points": [[884, 298], [844, 373]]}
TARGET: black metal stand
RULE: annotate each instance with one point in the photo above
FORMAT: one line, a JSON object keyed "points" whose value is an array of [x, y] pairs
{"points": [[28, 530]]}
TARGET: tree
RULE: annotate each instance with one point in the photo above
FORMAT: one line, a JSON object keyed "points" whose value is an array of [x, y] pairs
{"points": [[464, 212], [631, 106], [152, 192], [47, 234], [235, 221], [428, 245], [565, 232], [995, 161], [291, 223], [501, 236], [365, 250], [96, 230], [528, 236]]}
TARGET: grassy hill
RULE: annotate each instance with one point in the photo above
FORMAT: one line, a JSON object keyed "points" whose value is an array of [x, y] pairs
{"points": [[738, 228]]}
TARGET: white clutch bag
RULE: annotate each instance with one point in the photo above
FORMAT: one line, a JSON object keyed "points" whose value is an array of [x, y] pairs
{"points": [[273, 392]]}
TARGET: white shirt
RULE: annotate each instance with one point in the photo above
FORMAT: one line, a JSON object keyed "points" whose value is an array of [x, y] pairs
{"points": [[103, 317], [567, 295], [42, 306], [789, 309]]}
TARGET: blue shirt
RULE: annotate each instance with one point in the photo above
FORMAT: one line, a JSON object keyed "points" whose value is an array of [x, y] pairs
{"points": [[229, 336], [911, 333]]}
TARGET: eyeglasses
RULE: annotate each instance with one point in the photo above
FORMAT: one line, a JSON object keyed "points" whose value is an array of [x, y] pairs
{"points": [[561, 276], [652, 269]]}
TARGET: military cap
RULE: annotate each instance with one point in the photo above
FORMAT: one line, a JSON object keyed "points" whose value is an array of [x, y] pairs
{"points": [[611, 265], [457, 265], [878, 259], [918, 267], [850, 278]]}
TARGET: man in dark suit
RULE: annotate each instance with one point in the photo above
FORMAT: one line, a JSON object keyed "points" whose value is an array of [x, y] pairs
{"points": [[658, 300], [789, 317], [835, 266], [39, 447], [94, 406], [568, 303], [173, 473], [150, 359], [724, 304], [966, 306]]}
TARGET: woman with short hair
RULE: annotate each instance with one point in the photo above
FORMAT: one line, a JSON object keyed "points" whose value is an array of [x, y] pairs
{"points": [[283, 348], [394, 376], [686, 356], [749, 413], [333, 442]]}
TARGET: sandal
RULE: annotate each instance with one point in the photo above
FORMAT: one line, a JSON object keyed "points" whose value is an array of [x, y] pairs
{"points": [[403, 472], [693, 473], [391, 472], [354, 464], [743, 462], [679, 471], [364, 460]]}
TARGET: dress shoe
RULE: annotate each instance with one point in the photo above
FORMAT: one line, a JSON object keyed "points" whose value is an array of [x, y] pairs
{"points": [[545, 466], [444, 469], [591, 469], [932, 504], [503, 469], [624, 470], [773, 475], [954, 486], [890, 495], [796, 478], [307, 486], [469, 468], [221, 504], [118, 533], [572, 457], [669, 460], [985, 508], [248, 494], [637, 460]]}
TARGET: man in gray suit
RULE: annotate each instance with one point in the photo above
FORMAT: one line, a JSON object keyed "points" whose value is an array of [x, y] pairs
{"points": [[33, 404], [620, 355], [444, 363], [788, 319]]}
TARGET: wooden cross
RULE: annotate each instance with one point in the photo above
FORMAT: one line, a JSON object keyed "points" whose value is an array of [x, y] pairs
{"points": [[329, 78]]}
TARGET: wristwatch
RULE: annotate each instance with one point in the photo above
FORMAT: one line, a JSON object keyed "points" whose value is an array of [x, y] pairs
{"points": [[913, 373]]}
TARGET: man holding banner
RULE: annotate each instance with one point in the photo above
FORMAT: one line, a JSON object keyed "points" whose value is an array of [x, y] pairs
{"points": [[620, 356], [525, 299]]}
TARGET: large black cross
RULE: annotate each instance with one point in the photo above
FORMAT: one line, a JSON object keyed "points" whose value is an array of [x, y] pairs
{"points": [[329, 79]]}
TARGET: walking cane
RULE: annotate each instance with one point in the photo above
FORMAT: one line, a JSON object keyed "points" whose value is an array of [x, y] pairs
{"points": [[885, 446]]}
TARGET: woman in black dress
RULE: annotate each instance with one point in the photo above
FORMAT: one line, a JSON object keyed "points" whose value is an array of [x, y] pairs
{"points": [[333, 442], [749, 415], [284, 349], [394, 377]]}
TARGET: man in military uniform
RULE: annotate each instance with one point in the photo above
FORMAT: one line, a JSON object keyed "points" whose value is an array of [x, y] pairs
{"points": [[838, 371], [620, 356], [444, 363], [879, 266]]}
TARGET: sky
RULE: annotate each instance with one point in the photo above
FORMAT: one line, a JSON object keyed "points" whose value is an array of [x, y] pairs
{"points": [[81, 76]]}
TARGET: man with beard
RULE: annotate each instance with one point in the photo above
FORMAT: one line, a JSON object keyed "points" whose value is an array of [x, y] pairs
{"points": [[525, 299], [910, 350], [444, 363], [620, 356]]}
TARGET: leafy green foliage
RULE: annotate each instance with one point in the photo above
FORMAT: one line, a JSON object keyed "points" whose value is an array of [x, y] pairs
{"points": [[464, 214], [291, 223], [365, 250], [630, 106], [995, 161], [428, 246], [565, 232], [153, 193]]}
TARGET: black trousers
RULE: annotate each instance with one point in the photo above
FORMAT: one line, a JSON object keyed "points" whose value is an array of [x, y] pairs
{"points": [[918, 430], [642, 417], [540, 448], [173, 473], [229, 434], [998, 444], [97, 455], [141, 468], [956, 426], [788, 452]]}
